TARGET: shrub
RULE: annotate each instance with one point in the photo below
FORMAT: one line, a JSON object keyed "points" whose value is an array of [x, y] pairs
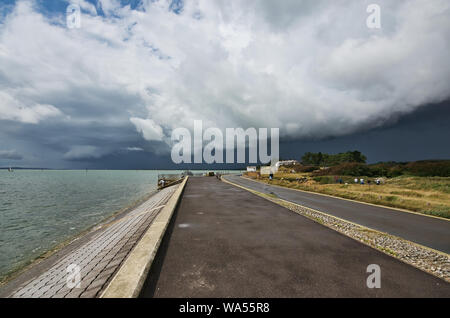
{"points": [[436, 168], [324, 180], [301, 168], [348, 169], [439, 168]]}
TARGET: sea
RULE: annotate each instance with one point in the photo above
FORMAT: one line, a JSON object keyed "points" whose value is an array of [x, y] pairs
{"points": [[40, 209]]}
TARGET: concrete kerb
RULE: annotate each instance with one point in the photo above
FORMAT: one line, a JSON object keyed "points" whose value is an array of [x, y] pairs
{"points": [[129, 279]]}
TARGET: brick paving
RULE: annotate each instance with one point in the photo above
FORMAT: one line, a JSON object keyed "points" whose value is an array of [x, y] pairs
{"points": [[99, 258]]}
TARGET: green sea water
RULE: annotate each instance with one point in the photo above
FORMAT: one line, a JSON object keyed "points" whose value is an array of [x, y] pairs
{"points": [[40, 209]]}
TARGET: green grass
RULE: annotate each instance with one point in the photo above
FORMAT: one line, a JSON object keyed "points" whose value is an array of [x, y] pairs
{"points": [[427, 195]]}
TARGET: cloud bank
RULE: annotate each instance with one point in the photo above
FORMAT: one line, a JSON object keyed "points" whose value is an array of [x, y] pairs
{"points": [[311, 68], [10, 155]]}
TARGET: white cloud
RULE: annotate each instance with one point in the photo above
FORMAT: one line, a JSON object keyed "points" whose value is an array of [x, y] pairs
{"points": [[313, 69], [109, 6], [134, 149], [84, 5], [12, 109], [83, 152], [148, 128]]}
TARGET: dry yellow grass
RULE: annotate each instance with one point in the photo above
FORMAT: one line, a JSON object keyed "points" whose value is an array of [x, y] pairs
{"points": [[428, 195]]}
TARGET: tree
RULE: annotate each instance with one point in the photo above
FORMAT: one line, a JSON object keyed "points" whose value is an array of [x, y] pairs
{"points": [[320, 158]]}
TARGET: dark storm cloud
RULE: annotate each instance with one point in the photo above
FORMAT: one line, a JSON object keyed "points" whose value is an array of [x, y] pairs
{"points": [[421, 135], [10, 154], [124, 81], [64, 145]]}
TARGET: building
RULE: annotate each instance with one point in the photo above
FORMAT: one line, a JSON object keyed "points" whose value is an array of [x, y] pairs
{"points": [[286, 163], [265, 170]]}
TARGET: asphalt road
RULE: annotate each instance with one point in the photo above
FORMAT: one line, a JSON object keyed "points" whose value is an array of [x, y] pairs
{"points": [[424, 230], [227, 242]]}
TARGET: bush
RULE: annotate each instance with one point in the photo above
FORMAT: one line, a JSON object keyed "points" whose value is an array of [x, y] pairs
{"points": [[429, 168], [348, 169], [324, 180], [325, 159], [437, 168], [301, 168]]}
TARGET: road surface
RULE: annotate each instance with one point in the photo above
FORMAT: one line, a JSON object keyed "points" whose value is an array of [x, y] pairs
{"points": [[421, 229], [227, 242]]}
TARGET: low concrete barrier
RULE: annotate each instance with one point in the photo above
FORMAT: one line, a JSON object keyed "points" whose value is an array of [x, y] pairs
{"points": [[129, 279]]}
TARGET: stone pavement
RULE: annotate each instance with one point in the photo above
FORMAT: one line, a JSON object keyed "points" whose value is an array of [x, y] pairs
{"points": [[99, 258]]}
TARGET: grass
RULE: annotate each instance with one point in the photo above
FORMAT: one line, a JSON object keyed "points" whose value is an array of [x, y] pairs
{"points": [[427, 195]]}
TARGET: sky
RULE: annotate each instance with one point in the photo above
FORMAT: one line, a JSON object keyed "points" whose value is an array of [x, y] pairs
{"points": [[109, 94]]}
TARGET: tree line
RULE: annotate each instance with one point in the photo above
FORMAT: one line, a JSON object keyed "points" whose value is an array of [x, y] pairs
{"points": [[324, 159]]}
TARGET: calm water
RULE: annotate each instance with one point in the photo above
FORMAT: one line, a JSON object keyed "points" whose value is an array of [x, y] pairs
{"points": [[39, 209]]}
